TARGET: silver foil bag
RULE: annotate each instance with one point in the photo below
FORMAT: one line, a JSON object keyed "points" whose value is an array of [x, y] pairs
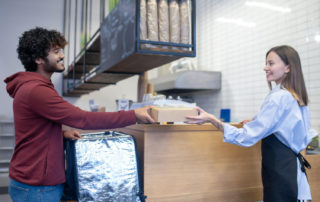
{"points": [[102, 167]]}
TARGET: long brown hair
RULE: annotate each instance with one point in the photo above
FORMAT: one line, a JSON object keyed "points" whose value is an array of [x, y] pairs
{"points": [[294, 81]]}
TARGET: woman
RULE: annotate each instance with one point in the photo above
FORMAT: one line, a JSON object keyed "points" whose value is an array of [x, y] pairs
{"points": [[283, 126]]}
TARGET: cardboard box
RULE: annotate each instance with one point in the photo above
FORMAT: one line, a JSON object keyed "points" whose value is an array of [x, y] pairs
{"points": [[171, 114]]}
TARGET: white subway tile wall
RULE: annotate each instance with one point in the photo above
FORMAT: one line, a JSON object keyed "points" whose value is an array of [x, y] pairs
{"points": [[233, 37]]}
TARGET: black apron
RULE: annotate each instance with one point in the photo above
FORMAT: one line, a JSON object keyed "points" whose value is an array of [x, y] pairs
{"points": [[279, 171]]}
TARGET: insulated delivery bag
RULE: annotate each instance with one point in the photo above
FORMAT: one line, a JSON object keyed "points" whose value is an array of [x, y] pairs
{"points": [[102, 167]]}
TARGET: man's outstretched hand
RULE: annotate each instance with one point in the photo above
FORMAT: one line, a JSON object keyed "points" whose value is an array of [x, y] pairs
{"points": [[142, 115]]}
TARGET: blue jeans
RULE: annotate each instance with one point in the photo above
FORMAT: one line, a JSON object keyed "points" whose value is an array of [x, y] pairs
{"points": [[20, 192]]}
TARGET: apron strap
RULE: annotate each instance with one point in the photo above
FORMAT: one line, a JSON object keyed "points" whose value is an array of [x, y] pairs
{"points": [[304, 163]]}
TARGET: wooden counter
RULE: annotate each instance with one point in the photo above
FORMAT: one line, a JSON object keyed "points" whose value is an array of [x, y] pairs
{"points": [[191, 163], [314, 176]]}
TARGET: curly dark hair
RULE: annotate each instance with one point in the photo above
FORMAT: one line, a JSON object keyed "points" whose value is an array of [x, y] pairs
{"points": [[36, 43]]}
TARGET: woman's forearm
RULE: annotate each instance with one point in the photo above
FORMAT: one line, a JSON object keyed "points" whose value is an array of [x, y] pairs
{"points": [[217, 123]]}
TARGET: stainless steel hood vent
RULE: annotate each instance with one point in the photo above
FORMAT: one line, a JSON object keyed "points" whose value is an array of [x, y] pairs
{"points": [[187, 81]]}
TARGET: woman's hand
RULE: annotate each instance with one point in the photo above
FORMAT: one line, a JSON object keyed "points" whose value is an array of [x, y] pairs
{"points": [[245, 121], [72, 134], [202, 118], [205, 117]]}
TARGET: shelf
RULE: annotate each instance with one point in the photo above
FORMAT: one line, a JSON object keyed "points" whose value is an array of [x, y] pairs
{"points": [[115, 52], [95, 80], [88, 58]]}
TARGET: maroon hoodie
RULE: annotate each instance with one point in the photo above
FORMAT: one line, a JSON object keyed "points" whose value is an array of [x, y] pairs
{"points": [[39, 111]]}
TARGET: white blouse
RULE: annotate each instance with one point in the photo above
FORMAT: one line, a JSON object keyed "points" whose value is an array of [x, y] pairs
{"points": [[282, 116]]}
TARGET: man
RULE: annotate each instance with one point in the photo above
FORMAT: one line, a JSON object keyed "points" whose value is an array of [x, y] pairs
{"points": [[37, 169]]}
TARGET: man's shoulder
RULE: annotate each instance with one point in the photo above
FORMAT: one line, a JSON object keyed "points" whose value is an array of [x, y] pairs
{"points": [[32, 86]]}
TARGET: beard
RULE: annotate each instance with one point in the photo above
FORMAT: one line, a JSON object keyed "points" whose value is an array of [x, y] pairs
{"points": [[52, 66]]}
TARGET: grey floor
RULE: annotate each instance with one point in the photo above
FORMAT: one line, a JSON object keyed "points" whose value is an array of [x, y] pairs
{"points": [[5, 198], [4, 183]]}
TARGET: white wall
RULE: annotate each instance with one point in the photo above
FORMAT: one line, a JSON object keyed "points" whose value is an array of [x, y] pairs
{"points": [[238, 51], [17, 16], [125, 89]]}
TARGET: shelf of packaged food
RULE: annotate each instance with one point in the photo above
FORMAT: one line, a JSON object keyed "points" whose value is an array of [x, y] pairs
{"points": [[117, 52]]}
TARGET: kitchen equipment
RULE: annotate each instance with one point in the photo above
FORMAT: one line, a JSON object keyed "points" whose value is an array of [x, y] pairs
{"points": [[187, 81]]}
